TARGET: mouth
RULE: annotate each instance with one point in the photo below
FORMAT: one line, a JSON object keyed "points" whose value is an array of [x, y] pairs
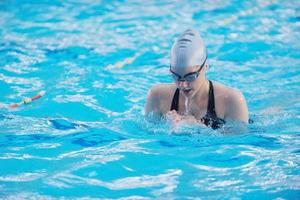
{"points": [[186, 91]]}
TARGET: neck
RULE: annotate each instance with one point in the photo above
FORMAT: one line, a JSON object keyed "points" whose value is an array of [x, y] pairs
{"points": [[202, 92], [199, 99]]}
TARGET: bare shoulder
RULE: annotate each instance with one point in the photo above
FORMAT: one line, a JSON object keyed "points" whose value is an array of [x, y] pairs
{"points": [[160, 90], [158, 96], [232, 102], [227, 93]]}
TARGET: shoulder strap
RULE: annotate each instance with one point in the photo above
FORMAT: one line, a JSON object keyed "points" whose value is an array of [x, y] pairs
{"points": [[211, 101], [175, 100]]}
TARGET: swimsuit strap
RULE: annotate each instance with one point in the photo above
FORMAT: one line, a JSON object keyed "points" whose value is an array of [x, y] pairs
{"points": [[211, 119], [175, 100], [211, 111]]}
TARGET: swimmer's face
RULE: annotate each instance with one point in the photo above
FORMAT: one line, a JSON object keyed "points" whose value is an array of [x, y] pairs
{"points": [[187, 78]]}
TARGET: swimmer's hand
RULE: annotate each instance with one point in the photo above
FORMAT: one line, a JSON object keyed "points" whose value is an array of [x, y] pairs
{"points": [[175, 119]]}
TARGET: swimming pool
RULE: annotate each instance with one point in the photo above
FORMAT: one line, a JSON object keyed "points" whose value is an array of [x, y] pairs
{"points": [[87, 138]]}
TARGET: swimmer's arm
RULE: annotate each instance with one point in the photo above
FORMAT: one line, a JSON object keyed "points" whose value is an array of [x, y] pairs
{"points": [[174, 118], [236, 108], [152, 102]]}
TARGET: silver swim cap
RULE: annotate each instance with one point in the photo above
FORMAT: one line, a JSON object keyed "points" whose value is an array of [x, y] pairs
{"points": [[188, 50]]}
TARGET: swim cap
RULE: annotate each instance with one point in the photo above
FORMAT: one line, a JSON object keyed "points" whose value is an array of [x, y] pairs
{"points": [[188, 50]]}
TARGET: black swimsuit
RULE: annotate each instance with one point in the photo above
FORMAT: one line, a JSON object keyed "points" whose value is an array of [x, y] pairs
{"points": [[210, 119]]}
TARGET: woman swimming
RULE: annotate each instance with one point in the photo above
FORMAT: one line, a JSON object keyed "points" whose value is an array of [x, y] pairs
{"points": [[192, 98]]}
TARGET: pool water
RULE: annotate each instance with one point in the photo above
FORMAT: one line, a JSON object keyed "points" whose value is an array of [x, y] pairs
{"points": [[87, 137]]}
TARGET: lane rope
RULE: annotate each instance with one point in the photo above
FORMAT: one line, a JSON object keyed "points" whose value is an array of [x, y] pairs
{"points": [[25, 101], [243, 13], [122, 63]]}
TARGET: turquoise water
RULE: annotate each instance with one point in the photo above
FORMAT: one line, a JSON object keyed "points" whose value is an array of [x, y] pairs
{"points": [[87, 137]]}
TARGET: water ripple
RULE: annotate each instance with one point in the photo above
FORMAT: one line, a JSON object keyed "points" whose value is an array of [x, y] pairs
{"points": [[168, 182], [24, 177]]}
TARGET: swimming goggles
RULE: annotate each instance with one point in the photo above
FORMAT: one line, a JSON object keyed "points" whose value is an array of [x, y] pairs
{"points": [[189, 77]]}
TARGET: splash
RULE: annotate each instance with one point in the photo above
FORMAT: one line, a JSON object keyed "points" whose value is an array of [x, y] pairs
{"points": [[186, 103]]}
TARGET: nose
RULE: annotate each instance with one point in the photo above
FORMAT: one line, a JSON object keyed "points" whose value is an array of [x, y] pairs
{"points": [[182, 83]]}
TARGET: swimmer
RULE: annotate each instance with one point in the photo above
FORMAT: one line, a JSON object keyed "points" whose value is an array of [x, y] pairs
{"points": [[192, 98]]}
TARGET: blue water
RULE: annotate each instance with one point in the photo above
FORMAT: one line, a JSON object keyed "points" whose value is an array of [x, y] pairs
{"points": [[87, 137]]}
